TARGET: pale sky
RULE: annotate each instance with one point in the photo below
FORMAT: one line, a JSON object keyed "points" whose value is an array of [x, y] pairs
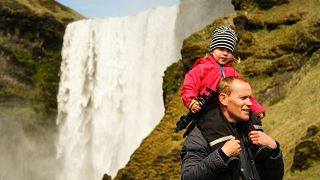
{"points": [[114, 8]]}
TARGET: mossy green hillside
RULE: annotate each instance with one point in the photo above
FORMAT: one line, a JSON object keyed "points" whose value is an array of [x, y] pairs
{"points": [[31, 36]]}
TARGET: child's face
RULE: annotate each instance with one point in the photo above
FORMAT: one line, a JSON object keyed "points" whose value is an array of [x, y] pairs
{"points": [[222, 56]]}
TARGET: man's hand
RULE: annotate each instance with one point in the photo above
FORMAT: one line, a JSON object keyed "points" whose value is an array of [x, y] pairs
{"points": [[261, 139], [232, 148]]}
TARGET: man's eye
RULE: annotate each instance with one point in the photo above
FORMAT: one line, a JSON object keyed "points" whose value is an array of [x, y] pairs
{"points": [[245, 97]]}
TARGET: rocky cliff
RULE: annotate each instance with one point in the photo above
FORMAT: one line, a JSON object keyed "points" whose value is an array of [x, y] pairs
{"points": [[279, 48], [31, 36]]}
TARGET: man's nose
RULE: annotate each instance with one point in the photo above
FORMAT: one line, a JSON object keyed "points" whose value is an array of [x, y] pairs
{"points": [[249, 103]]}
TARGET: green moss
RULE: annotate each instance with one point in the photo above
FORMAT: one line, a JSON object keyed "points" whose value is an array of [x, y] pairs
{"points": [[47, 81], [31, 40], [43, 74], [259, 84], [25, 58], [172, 80], [41, 8]]}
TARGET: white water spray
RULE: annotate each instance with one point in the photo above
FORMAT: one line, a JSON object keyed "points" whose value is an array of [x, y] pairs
{"points": [[110, 94]]}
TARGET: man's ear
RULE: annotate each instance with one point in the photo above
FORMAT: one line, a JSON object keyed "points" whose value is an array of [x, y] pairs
{"points": [[223, 99]]}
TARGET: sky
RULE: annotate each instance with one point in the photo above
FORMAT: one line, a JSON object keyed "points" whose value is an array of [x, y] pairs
{"points": [[114, 8]]}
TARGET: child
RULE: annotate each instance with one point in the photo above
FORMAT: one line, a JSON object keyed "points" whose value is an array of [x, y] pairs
{"points": [[207, 72]]}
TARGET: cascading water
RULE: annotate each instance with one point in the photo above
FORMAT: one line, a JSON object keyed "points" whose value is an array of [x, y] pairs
{"points": [[110, 94], [194, 15]]}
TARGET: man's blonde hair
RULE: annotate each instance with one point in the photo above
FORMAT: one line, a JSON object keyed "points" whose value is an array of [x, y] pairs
{"points": [[225, 84]]}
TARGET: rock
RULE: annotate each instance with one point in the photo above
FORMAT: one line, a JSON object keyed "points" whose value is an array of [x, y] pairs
{"points": [[106, 177], [267, 4], [261, 4], [307, 151]]}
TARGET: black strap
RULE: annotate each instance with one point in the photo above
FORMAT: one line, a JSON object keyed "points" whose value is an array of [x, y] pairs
{"points": [[222, 71], [248, 149]]}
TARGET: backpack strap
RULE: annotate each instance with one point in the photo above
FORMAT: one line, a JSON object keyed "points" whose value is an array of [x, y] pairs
{"points": [[222, 71]]}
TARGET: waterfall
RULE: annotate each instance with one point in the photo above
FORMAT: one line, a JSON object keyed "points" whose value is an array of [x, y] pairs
{"points": [[110, 93], [194, 15]]}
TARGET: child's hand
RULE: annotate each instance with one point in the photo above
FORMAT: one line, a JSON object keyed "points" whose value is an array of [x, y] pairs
{"points": [[261, 115], [195, 107]]}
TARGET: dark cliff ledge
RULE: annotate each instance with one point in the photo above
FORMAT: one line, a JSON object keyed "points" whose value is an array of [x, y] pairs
{"points": [[261, 4], [307, 152], [279, 47]]}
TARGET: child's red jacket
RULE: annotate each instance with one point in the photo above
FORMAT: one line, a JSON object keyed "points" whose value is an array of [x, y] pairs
{"points": [[206, 73]]}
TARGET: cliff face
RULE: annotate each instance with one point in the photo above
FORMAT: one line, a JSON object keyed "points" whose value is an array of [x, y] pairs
{"points": [[31, 41], [31, 35], [279, 48]]}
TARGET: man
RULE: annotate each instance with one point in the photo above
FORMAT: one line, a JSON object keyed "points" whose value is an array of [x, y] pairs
{"points": [[206, 73], [231, 157]]}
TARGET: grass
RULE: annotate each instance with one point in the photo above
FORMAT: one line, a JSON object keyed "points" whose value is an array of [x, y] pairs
{"points": [[289, 119], [34, 60], [311, 174], [42, 8], [51, 7]]}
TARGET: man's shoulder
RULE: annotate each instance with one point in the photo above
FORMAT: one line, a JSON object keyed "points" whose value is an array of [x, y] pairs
{"points": [[195, 133], [195, 138]]}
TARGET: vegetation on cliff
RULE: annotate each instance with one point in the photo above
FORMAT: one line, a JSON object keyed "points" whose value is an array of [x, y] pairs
{"points": [[279, 47], [31, 35]]}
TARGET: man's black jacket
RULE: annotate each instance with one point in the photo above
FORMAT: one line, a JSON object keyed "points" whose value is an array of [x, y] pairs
{"points": [[200, 162]]}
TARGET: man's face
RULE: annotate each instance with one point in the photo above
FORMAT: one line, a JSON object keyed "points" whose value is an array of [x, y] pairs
{"points": [[237, 104], [222, 56]]}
